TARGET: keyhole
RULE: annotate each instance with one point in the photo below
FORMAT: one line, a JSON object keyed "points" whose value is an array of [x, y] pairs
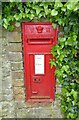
{"points": [[35, 79]]}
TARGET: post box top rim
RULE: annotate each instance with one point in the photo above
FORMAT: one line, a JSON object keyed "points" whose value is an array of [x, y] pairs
{"points": [[37, 23]]}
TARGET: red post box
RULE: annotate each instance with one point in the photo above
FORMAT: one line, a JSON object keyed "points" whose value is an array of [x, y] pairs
{"points": [[38, 38]]}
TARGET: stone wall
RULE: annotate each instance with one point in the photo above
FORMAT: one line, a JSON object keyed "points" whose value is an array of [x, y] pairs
{"points": [[12, 75], [12, 68]]}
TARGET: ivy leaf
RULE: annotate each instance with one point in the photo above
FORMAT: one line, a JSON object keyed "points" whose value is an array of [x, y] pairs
{"points": [[40, 15], [27, 10], [60, 21], [65, 68], [5, 21], [58, 51], [43, 14], [72, 5], [52, 63], [74, 93], [11, 28], [17, 17], [63, 9], [46, 11], [45, 5], [61, 57], [54, 25], [38, 9], [58, 4], [0, 17], [23, 15], [46, 8], [58, 73], [54, 12], [5, 26], [30, 16]]}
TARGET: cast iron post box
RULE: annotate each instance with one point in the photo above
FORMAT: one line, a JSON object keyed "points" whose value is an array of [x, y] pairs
{"points": [[38, 38]]}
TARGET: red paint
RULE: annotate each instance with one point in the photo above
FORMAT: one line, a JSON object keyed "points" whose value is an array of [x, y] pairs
{"points": [[38, 38]]}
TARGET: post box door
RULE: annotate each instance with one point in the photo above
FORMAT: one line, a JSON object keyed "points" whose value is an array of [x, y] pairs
{"points": [[42, 80]]}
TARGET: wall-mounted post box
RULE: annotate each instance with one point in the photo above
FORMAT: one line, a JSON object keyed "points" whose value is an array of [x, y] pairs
{"points": [[38, 38]]}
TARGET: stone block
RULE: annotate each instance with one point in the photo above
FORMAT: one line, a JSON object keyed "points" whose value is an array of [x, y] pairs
{"points": [[19, 97], [38, 104], [25, 113], [58, 90], [7, 84], [14, 37], [18, 83], [16, 66], [13, 56], [6, 72], [4, 112], [8, 78], [10, 107], [57, 114], [0, 82], [17, 75], [40, 112], [19, 90], [34, 113], [21, 104], [7, 91], [7, 97], [8, 113], [6, 64], [22, 113], [0, 29], [4, 32], [1, 103], [0, 45], [0, 118], [0, 97], [14, 47], [4, 58], [4, 42]]}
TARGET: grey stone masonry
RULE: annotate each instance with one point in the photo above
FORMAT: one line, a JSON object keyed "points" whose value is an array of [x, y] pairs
{"points": [[0, 67], [0, 72], [8, 106]]}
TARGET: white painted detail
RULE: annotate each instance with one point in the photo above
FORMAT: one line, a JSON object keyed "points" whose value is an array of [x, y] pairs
{"points": [[39, 64]]}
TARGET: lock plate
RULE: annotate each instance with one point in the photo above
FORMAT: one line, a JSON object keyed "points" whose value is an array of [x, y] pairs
{"points": [[37, 80]]}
